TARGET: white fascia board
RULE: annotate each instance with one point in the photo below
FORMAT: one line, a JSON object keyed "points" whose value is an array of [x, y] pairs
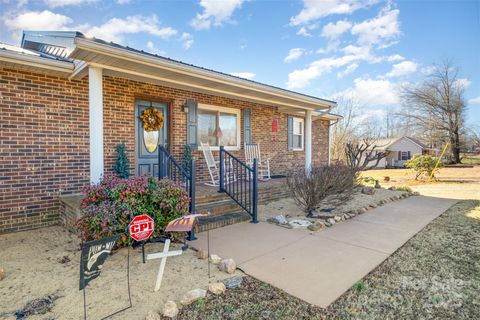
{"points": [[189, 70], [36, 61]]}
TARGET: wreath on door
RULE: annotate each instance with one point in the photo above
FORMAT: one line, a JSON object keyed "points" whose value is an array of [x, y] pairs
{"points": [[152, 119]]}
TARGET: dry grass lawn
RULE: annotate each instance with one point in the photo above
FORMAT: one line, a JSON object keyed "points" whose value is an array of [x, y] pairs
{"points": [[451, 182]]}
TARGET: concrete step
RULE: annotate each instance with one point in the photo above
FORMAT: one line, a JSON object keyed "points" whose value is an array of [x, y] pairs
{"points": [[218, 221]]}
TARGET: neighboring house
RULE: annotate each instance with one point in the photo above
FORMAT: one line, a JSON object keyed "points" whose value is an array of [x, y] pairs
{"points": [[68, 100], [399, 150]]}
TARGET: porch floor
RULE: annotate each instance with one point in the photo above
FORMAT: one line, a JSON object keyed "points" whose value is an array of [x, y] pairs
{"points": [[320, 267], [202, 190]]}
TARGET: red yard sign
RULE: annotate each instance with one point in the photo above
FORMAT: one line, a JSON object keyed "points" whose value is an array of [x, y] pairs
{"points": [[141, 227]]}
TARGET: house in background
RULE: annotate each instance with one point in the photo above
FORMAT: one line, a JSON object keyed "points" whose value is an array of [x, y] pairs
{"points": [[400, 149], [66, 101]]}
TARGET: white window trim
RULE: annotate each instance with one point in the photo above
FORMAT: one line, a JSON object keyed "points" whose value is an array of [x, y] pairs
{"points": [[297, 120], [225, 110]]}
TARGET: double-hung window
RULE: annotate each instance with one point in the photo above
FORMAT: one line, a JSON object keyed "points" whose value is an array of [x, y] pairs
{"points": [[405, 155], [219, 126], [297, 134]]}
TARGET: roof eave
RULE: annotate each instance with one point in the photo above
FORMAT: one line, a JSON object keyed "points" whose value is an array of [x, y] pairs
{"points": [[101, 48], [36, 61]]}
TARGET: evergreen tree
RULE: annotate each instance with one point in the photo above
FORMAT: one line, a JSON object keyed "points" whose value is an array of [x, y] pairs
{"points": [[186, 157], [121, 166]]}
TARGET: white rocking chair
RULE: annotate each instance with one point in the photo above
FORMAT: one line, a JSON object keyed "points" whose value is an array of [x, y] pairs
{"points": [[252, 151], [213, 166]]}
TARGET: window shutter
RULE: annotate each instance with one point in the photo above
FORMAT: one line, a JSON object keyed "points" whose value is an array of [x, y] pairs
{"points": [[399, 155], [290, 132], [409, 155], [192, 122], [247, 126]]}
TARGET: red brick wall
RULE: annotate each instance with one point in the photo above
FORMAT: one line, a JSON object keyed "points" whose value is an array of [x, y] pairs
{"points": [[44, 146], [120, 95]]}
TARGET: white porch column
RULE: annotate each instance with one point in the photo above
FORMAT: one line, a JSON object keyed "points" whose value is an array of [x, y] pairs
{"points": [[308, 140], [95, 98]]}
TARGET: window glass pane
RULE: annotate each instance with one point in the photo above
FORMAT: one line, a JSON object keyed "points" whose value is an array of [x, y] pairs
{"points": [[297, 126], [228, 125], [297, 141], [207, 125]]}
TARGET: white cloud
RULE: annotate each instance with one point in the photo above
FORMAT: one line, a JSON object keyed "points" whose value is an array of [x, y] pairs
{"points": [[315, 9], [187, 40], [474, 101], [123, 1], [294, 54], [384, 27], [334, 30], [245, 75], [395, 57], [402, 68], [303, 32], [215, 13], [428, 70], [63, 3], [370, 92], [463, 83], [115, 28], [349, 69], [151, 47], [36, 20], [301, 78]]}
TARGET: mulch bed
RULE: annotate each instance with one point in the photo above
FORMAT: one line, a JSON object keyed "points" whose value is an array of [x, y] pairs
{"points": [[435, 275]]}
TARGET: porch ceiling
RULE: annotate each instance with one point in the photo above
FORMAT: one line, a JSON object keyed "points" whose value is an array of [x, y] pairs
{"points": [[125, 63]]}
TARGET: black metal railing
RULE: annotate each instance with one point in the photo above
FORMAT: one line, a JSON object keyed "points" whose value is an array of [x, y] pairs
{"points": [[170, 168], [239, 181]]}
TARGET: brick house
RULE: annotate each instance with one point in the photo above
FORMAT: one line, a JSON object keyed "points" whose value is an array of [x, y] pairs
{"points": [[66, 101]]}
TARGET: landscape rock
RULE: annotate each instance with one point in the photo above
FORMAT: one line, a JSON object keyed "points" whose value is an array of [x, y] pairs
{"points": [[202, 254], [331, 221], [193, 295], [298, 223], [2, 274], [215, 259], [227, 265], [337, 218], [368, 190], [170, 309], [280, 220], [233, 282], [152, 315], [317, 225], [373, 205], [217, 288]]}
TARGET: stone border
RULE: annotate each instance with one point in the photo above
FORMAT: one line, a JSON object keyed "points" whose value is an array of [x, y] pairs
{"points": [[320, 222]]}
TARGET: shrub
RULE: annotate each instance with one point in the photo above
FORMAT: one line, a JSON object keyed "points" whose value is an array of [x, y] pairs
{"points": [[386, 178], [186, 156], [108, 207], [310, 189], [122, 165], [424, 164]]}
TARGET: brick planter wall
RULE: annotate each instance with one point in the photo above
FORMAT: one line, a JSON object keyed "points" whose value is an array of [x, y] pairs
{"points": [[44, 142]]}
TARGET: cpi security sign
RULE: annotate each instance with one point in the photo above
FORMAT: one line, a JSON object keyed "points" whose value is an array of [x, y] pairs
{"points": [[141, 227]]}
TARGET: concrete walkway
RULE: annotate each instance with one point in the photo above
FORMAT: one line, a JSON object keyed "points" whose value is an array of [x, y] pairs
{"points": [[319, 267]]}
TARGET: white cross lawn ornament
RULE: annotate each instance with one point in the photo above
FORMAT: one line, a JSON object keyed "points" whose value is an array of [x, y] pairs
{"points": [[163, 255]]}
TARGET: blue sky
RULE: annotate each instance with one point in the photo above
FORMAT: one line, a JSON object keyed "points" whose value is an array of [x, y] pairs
{"points": [[365, 49]]}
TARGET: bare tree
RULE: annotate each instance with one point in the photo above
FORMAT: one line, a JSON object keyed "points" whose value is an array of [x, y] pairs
{"points": [[364, 155], [436, 107], [345, 129]]}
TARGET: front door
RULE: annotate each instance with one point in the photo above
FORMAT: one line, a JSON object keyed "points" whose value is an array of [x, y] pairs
{"points": [[147, 142]]}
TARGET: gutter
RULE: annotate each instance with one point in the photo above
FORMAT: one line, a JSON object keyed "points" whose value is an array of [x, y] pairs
{"points": [[36, 61]]}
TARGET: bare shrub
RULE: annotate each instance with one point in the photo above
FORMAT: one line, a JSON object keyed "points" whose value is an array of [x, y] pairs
{"points": [[310, 189]]}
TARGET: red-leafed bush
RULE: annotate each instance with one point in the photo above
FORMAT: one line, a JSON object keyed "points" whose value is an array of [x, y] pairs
{"points": [[108, 206]]}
